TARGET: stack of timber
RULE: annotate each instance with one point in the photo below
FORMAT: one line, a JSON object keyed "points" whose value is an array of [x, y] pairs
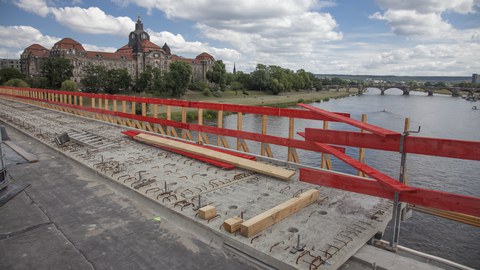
{"points": [[215, 155]]}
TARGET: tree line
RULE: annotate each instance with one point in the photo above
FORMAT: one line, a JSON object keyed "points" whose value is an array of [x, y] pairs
{"points": [[56, 74]]}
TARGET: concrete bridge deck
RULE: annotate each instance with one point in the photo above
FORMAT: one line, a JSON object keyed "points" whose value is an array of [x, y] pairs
{"points": [[338, 224]]}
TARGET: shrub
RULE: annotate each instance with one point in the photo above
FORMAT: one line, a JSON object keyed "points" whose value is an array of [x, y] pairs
{"points": [[69, 85], [245, 92], [301, 100], [16, 83], [326, 99], [206, 92], [217, 93]]}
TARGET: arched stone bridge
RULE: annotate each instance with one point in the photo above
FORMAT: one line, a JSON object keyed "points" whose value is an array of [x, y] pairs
{"points": [[405, 88]]}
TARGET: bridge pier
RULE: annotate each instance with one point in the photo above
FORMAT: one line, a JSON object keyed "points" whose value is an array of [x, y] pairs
{"points": [[430, 93], [406, 91], [382, 91], [360, 90]]}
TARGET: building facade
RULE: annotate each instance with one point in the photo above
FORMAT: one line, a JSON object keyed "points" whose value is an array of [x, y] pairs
{"points": [[10, 63], [135, 56]]}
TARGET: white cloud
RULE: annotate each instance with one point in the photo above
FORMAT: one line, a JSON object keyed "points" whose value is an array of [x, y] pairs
{"points": [[180, 46], [412, 23], [92, 20], [38, 7], [21, 36], [423, 19], [429, 6], [431, 59]]}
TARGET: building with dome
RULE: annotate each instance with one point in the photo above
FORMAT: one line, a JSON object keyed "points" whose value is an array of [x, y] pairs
{"points": [[135, 56]]}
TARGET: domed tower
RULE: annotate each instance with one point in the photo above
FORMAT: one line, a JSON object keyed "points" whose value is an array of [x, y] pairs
{"points": [[136, 37]]}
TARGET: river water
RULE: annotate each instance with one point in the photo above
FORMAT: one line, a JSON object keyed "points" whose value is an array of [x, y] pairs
{"points": [[439, 116]]}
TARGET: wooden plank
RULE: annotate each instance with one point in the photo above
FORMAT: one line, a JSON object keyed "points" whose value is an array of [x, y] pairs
{"points": [[207, 212], [368, 127], [267, 169], [27, 156], [263, 150], [266, 219], [232, 224]]}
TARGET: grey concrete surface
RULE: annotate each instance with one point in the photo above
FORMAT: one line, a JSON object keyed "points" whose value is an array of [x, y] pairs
{"points": [[337, 225], [67, 219]]}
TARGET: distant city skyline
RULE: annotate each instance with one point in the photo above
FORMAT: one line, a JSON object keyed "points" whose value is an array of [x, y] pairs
{"points": [[426, 38]]}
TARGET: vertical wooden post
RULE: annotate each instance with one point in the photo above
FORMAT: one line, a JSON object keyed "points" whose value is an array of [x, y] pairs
{"points": [[263, 149], [184, 120], [292, 152], [324, 156], [69, 99], [200, 122], [169, 117], [144, 113], [361, 152], [115, 118], [221, 141], [124, 110], [239, 128]]}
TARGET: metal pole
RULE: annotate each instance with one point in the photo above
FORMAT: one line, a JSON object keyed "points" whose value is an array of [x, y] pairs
{"points": [[3, 170]]}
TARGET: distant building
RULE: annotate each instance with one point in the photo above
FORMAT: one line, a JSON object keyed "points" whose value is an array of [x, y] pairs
{"points": [[10, 63], [475, 78], [135, 56]]}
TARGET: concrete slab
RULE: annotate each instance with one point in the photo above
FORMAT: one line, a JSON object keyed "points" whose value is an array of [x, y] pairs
{"points": [[67, 219], [332, 229]]}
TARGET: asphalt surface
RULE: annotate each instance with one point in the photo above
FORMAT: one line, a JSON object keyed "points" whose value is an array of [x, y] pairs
{"points": [[68, 219]]}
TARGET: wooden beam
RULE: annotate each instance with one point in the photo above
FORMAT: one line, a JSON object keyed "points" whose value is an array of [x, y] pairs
{"points": [[266, 169], [233, 224], [266, 219], [27, 156], [207, 212]]}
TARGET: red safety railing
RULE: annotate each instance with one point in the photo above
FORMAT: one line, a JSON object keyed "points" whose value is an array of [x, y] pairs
{"points": [[329, 142]]}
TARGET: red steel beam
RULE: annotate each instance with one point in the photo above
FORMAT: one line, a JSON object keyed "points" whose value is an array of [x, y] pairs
{"points": [[414, 145], [384, 179], [335, 117], [430, 198]]}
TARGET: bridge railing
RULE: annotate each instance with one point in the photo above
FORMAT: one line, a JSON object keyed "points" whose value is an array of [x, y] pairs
{"points": [[156, 115], [123, 110]]}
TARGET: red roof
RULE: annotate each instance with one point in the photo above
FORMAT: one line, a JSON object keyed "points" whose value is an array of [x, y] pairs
{"points": [[149, 46], [68, 43], [108, 55], [125, 50], [204, 57], [183, 59], [37, 50]]}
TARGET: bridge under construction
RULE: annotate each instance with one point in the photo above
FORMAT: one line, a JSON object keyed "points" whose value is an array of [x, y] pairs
{"points": [[280, 213]]}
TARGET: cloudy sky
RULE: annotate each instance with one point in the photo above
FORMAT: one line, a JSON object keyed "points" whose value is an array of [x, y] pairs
{"points": [[379, 37]]}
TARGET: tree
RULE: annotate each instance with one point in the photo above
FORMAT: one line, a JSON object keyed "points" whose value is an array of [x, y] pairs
{"points": [[56, 70], [94, 79], [9, 73], [69, 85], [116, 80], [177, 79], [217, 74]]}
